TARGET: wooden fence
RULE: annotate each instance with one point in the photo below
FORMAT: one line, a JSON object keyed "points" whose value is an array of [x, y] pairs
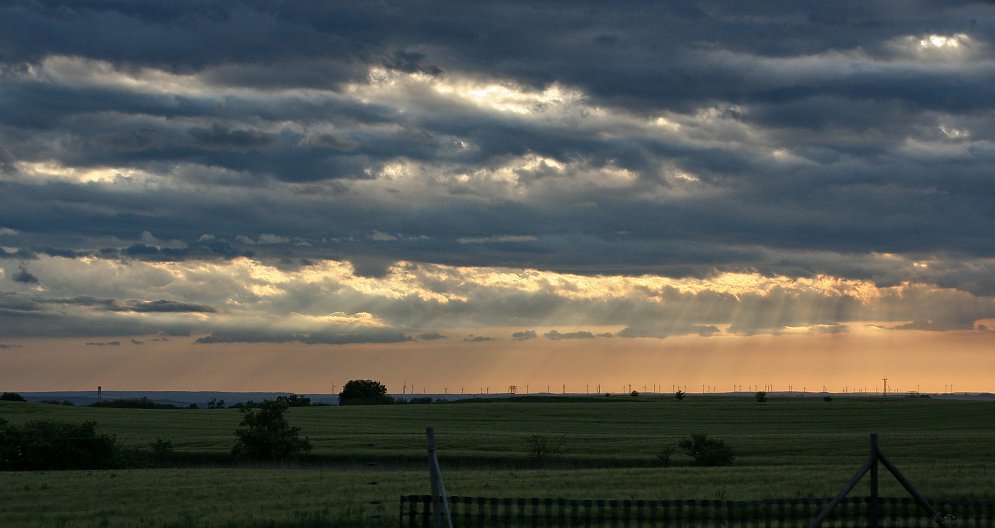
{"points": [[481, 512]]}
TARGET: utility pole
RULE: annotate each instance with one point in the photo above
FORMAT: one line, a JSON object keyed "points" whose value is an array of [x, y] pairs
{"points": [[885, 380]]}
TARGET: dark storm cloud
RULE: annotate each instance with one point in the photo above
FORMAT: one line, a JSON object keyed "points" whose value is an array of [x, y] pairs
{"points": [[332, 337], [166, 306], [431, 336], [23, 275], [221, 137], [159, 306], [553, 335]]}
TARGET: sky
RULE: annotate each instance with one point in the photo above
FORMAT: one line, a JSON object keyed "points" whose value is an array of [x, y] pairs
{"points": [[283, 196]]}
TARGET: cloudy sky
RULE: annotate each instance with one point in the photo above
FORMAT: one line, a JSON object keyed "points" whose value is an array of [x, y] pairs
{"points": [[324, 190]]}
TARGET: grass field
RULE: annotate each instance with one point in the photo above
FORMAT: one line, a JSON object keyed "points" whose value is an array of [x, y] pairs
{"points": [[793, 447]]}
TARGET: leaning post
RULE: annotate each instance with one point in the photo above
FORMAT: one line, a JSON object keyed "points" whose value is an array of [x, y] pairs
{"points": [[873, 508], [433, 471]]}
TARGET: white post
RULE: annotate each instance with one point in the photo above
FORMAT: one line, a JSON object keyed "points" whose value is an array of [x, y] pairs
{"points": [[440, 502]]}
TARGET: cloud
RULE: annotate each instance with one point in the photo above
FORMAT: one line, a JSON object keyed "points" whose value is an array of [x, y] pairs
{"points": [[24, 276], [935, 326], [220, 137], [182, 171], [103, 343], [524, 335], [431, 336], [553, 335], [4, 346], [327, 337], [668, 330], [113, 305], [165, 306], [477, 339]]}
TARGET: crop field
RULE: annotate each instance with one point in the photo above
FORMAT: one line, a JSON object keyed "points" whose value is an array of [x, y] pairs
{"points": [[364, 458]]}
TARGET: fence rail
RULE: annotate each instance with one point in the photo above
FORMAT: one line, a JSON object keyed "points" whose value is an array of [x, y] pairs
{"points": [[481, 512]]}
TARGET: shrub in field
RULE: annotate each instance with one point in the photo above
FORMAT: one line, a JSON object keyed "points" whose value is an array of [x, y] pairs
{"points": [[265, 434], [706, 451], [295, 400], [634, 394], [542, 449], [664, 455], [44, 445], [827, 398], [679, 395], [364, 392], [760, 396], [162, 451], [11, 396]]}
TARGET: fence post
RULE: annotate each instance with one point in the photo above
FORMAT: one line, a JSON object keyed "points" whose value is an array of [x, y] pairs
{"points": [[439, 500], [875, 455]]}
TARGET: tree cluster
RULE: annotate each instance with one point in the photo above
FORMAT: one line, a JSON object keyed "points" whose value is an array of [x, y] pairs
{"points": [[364, 392], [264, 434], [49, 445]]}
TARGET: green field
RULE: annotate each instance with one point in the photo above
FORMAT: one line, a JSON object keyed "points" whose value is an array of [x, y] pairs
{"points": [[367, 456]]}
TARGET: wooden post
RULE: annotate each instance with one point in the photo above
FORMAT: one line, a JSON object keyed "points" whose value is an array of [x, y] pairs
{"points": [[873, 512]]}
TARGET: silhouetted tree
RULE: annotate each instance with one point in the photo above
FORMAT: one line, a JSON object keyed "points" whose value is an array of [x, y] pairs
{"points": [[543, 449], [760, 396], [679, 395], [364, 392], [706, 451], [295, 400], [44, 445], [264, 434], [11, 396]]}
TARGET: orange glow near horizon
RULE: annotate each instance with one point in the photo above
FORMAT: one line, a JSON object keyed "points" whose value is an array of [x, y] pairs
{"points": [[911, 360]]}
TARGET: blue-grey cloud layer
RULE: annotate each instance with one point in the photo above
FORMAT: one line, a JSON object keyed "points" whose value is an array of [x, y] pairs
{"points": [[852, 139]]}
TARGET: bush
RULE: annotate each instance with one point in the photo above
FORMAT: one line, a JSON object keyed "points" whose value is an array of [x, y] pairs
{"points": [[679, 395], [364, 392], [664, 455], [827, 398], [706, 451], [12, 396], [634, 394], [295, 400], [760, 396], [162, 451], [542, 449], [45, 445], [264, 434]]}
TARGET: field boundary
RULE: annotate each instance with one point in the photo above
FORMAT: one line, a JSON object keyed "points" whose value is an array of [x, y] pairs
{"points": [[416, 512]]}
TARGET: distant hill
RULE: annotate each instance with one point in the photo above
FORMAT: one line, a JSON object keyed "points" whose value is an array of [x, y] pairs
{"points": [[178, 398]]}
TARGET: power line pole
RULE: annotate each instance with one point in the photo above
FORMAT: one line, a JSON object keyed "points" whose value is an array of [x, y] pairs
{"points": [[885, 380]]}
